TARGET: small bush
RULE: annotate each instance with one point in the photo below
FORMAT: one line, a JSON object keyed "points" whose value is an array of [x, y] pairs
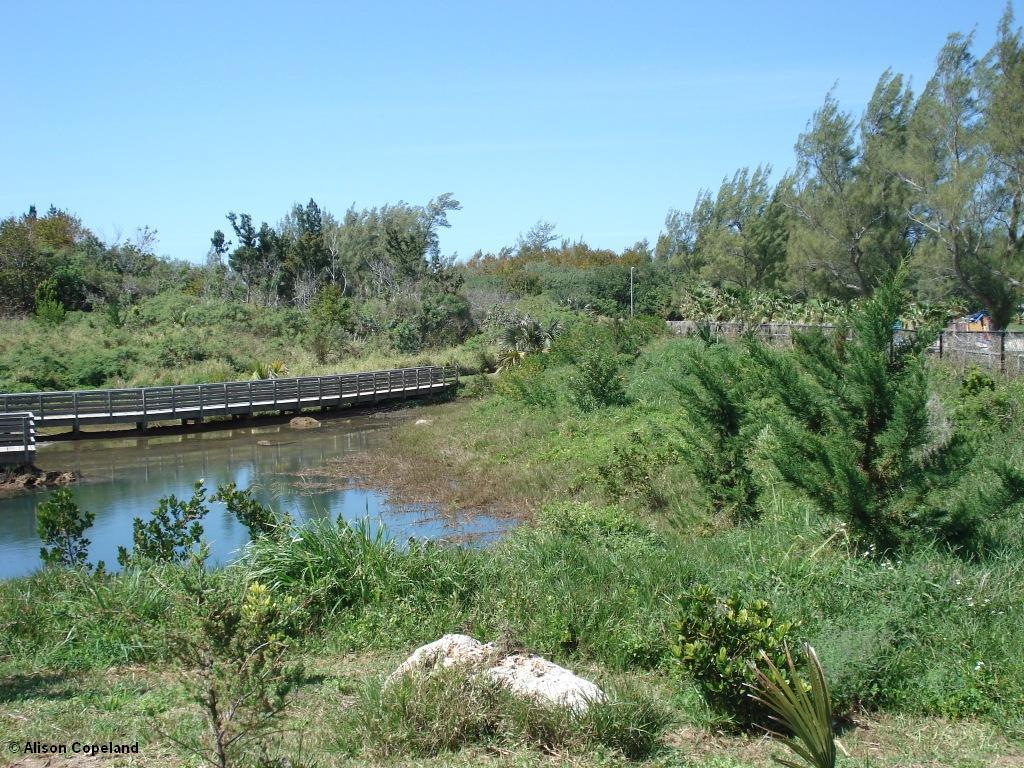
{"points": [[170, 537], [525, 383], [717, 641], [259, 519], [856, 431], [49, 308], [62, 525], [597, 382], [586, 521], [976, 381], [717, 394], [633, 470], [234, 652]]}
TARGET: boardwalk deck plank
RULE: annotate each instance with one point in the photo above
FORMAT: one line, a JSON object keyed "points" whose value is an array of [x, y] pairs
{"points": [[198, 401]]}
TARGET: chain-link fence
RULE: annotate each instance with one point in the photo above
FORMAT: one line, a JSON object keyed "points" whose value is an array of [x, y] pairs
{"points": [[993, 350]]}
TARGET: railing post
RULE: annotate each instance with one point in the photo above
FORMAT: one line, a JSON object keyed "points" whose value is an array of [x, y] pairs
{"points": [[1002, 351], [941, 334]]}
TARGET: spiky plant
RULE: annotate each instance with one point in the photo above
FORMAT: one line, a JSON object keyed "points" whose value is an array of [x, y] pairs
{"points": [[274, 370], [802, 711], [509, 358]]}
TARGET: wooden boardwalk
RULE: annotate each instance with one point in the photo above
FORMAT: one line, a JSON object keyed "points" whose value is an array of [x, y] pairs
{"points": [[17, 438], [195, 402]]}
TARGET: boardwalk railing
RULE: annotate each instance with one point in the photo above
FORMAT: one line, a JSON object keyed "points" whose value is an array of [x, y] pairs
{"points": [[198, 401], [17, 438], [995, 350]]}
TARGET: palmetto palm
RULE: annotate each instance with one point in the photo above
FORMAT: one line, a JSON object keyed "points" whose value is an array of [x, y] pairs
{"points": [[274, 370], [523, 338]]}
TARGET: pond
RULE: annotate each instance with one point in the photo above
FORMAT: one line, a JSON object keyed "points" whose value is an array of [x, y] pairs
{"points": [[124, 477]]}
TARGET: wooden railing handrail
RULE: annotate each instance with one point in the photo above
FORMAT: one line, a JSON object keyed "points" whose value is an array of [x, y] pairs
{"points": [[17, 437], [222, 396]]}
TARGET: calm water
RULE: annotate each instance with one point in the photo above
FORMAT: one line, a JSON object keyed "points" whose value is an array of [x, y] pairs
{"points": [[124, 478]]}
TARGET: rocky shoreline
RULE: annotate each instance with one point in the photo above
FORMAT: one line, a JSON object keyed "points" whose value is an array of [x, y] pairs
{"points": [[30, 476]]}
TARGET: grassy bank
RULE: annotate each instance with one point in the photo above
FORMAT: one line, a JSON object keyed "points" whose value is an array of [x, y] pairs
{"points": [[177, 339], [95, 658], [920, 643]]}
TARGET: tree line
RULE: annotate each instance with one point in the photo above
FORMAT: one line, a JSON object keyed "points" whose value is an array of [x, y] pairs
{"points": [[932, 180]]}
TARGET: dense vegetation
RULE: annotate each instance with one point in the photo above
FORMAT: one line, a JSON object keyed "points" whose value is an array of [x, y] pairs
{"points": [[934, 180], [639, 562], [688, 505]]}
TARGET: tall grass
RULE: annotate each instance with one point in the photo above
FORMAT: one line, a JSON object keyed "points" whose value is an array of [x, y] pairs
{"points": [[929, 634], [443, 712], [356, 576]]}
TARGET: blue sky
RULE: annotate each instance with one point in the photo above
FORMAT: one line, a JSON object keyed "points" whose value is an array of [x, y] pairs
{"points": [[596, 116]]}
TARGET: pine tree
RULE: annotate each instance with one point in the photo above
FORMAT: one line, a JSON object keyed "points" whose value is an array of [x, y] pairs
{"points": [[855, 432], [717, 399]]}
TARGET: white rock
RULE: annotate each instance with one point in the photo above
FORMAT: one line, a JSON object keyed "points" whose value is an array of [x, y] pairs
{"points": [[524, 676], [542, 681], [423, 422], [449, 651]]}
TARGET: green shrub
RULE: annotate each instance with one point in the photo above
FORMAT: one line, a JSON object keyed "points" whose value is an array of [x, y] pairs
{"points": [[178, 349], [635, 465], [718, 394], [855, 432], [172, 533], [234, 653], [633, 334], [976, 381], [49, 308], [718, 639], [92, 367], [526, 384], [330, 320], [61, 526], [579, 339], [597, 382], [586, 521], [259, 519]]}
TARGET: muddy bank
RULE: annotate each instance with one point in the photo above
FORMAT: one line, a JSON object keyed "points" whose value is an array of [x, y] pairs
{"points": [[418, 463], [23, 478]]}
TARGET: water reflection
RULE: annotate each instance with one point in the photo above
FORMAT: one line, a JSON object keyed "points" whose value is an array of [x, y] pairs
{"points": [[125, 477]]}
